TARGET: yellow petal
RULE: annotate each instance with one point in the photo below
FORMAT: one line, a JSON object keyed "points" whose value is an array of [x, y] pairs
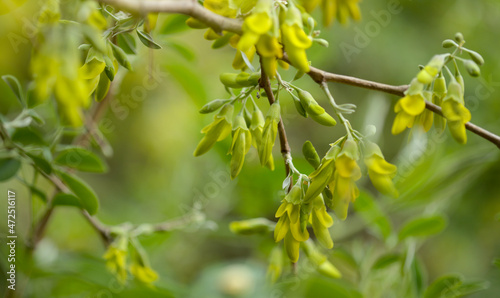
{"points": [[401, 122], [292, 248], [298, 233], [281, 228], [413, 104]]}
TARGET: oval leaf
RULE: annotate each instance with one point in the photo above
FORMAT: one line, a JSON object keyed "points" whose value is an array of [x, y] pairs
{"points": [[40, 162], [422, 227], [87, 196], [81, 159], [64, 199], [444, 286], [385, 261], [147, 40], [15, 86], [8, 168]]}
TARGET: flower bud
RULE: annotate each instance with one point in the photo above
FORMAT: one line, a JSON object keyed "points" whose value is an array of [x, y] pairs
{"points": [[229, 80], [427, 75], [321, 42], [309, 104], [256, 127], [459, 37], [242, 141], [269, 133], [476, 57], [324, 119], [252, 226], [472, 68], [299, 107], [213, 106], [195, 24], [448, 43], [310, 154]]}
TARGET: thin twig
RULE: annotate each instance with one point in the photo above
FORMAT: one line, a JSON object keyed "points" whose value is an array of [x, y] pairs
{"points": [[191, 8]]}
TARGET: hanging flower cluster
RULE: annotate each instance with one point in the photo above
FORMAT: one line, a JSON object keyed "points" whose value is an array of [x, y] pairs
{"points": [[430, 86]]}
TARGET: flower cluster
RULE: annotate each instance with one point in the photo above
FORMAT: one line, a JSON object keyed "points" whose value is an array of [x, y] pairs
{"points": [[55, 60], [247, 128], [116, 261], [268, 29], [333, 184], [335, 9], [430, 86]]}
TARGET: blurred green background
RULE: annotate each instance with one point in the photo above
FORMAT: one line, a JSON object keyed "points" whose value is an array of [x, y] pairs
{"points": [[154, 177]]}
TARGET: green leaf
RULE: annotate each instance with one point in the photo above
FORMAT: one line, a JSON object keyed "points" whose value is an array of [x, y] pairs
{"points": [[8, 168], [35, 192], [444, 286], [41, 163], [189, 80], [472, 287], [220, 42], [27, 136], [81, 159], [147, 40], [183, 50], [16, 88], [82, 190], [417, 277], [371, 212], [64, 199], [423, 227], [175, 23], [497, 263], [386, 260], [127, 43], [321, 288], [121, 56], [34, 115]]}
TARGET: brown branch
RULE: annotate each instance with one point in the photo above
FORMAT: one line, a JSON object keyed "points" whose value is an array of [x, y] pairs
{"points": [[320, 76], [190, 8], [100, 228], [218, 22], [265, 83]]}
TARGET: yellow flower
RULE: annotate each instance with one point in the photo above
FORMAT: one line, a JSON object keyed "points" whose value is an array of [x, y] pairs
{"points": [[455, 111], [340, 9], [218, 130], [427, 75], [408, 107], [379, 170], [242, 140], [288, 226], [269, 49], [321, 221], [347, 172], [309, 5], [220, 7], [116, 258], [255, 25], [295, 39], [143, 273]]}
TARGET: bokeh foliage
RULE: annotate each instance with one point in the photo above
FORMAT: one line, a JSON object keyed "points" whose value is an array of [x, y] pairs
{"points": [[153, 175]]}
